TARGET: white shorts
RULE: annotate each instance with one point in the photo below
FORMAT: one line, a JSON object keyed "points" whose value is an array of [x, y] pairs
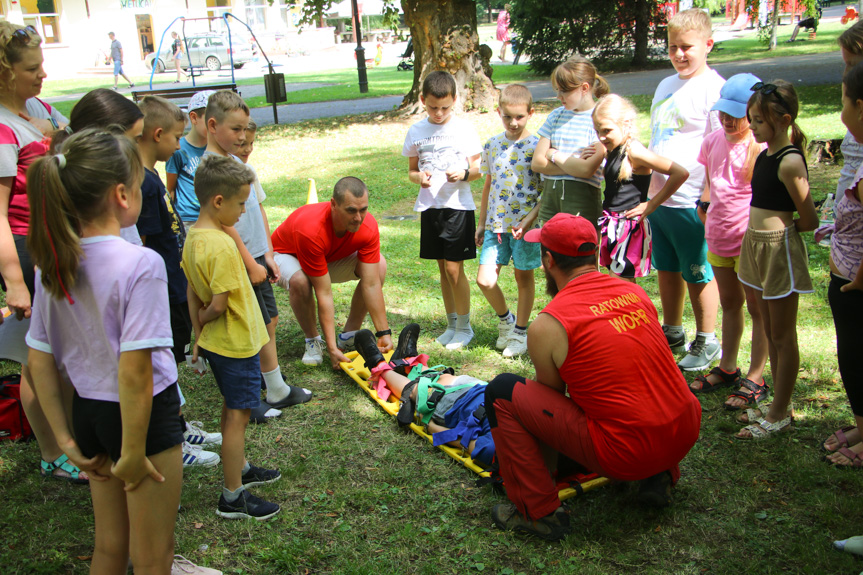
{"points": [[341, 271]]}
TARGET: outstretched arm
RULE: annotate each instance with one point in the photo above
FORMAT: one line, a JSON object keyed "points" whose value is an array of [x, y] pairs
{"points": [[372, 285], [641, 157], [326, 315]]}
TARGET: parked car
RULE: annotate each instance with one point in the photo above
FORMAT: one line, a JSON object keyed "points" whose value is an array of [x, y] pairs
{"points": [[205, 50]]}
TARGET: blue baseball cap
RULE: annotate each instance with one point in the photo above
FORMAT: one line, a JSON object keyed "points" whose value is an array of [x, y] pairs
{"points": [[735, 94]]}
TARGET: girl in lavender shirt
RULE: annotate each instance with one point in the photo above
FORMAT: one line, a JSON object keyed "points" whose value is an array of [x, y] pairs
{"points": [[846, 284], [101, 323]]}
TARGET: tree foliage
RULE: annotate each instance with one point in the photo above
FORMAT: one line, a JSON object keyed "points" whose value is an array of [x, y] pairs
{"points": [[552, 30]]}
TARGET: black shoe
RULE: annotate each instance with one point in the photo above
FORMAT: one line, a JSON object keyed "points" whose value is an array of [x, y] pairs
{"points": [[260, 476], [655, 491], [552, 527], [297, 396], [367, 346], [247, 506], [407, 346], [407, 406]]}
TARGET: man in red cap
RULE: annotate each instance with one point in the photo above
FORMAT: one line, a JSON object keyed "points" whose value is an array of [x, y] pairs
{"points": [[629, 414]]}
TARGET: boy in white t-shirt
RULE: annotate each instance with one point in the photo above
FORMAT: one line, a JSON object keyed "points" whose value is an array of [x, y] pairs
{"points": [[680, 118], [443, 154]]}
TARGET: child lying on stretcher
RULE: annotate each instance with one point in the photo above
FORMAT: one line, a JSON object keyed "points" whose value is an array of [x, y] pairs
{"points": [[450, 406]]}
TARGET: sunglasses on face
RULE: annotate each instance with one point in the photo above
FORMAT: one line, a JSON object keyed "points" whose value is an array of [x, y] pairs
{"points": [[771, 89], [22, 35]]}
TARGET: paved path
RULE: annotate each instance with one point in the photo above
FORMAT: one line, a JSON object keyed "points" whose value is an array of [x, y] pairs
{"points": [[812, 69]]}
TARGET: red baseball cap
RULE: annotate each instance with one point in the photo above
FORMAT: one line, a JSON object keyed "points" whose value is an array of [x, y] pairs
{"points": [[566, 234]]}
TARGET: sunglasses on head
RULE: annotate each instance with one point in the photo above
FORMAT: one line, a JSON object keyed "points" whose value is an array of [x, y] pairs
{"points": [[771, 89], [22, 35]]}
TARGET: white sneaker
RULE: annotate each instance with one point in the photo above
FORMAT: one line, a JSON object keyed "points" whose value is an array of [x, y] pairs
{"points": [[516, 345], [504, 330], [194, 435], [183, 566], [194, 456], [314, 352], [460, 339]]}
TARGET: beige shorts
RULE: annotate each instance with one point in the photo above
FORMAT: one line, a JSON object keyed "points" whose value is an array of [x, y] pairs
{"points": [[343, 270], [775, 262]]}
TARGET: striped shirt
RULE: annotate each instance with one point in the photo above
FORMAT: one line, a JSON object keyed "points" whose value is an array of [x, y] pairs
{"points": [[571, 132]]}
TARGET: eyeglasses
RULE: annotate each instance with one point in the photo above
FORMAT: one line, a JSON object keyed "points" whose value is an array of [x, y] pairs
{"points": [[767, 90], [22, 35]]}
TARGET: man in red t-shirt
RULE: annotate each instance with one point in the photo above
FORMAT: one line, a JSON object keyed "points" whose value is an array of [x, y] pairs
{"points": [[629, 414], [326, 243]]}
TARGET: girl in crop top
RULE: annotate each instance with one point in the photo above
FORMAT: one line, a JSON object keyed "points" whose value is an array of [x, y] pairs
{"points": [[773, 259], [625, 243], [845, 293]]}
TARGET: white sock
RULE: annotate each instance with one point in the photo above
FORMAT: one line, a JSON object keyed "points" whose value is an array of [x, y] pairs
{"points": [[674, 329], [508, 318], [277, 389], [446, 336], [346, 335], [462, 323], [310, 339], [708, 337]]}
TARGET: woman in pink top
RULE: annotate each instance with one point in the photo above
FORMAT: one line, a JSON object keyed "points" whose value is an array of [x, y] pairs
{"points": [[24, 121], [845, 293], [503, 30], [729, 157]]}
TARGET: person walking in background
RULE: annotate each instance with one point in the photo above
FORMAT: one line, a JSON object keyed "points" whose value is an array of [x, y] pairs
{"points": [[177, 55], [117, 57], [503, 30]]}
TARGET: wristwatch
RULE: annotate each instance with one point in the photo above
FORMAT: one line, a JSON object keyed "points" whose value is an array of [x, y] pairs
{"points": [[702, 205]]}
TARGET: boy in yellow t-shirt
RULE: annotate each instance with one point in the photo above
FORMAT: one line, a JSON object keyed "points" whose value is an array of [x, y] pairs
{"points": [[229, 328]]}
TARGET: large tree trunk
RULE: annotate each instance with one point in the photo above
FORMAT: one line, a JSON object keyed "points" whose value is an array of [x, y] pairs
{"points": [[642, 29], [445, 38], [774, 24]]}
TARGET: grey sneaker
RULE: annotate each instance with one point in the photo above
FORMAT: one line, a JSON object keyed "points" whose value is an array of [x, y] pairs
{"points": [[552, 527], [314, 352], [504, 331], [700, 355], [345, 344], [677, 342]]}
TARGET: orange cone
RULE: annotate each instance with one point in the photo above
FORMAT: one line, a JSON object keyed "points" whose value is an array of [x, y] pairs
{"points": [[312, 197]]}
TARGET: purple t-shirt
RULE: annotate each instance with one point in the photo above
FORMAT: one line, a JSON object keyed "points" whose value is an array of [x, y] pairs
{"points": [[847, 246], [121, 304]]}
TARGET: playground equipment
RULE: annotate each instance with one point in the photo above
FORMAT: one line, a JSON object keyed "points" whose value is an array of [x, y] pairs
{"points": [[850, 15], [274, 84]]}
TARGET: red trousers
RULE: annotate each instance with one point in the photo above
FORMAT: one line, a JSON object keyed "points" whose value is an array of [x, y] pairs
{"points": [[524, 415]]}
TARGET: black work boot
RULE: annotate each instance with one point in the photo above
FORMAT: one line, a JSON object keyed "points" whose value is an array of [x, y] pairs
{"points": [[407, 347], [367, 346]]}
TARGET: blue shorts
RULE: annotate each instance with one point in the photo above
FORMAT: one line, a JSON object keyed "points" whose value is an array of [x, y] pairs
{"points": [[239, 379], [679, 244], [118, 68], [524, 255]]}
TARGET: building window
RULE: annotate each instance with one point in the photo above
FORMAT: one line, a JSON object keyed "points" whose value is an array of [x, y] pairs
{"points": [[256, 16], [43, 15], [291, 13]]}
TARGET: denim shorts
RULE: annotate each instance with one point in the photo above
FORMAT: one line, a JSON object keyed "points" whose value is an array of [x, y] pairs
{"points": [[118, 68], [501, 248], [239, 379], [679, 244]]}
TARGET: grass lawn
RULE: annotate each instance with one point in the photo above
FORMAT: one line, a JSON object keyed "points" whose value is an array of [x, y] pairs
{"points": [[359, 497], [749, 48]]}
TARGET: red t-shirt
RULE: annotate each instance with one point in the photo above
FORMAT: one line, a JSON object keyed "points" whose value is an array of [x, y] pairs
{"points": [[621, 372], [308, 235]]}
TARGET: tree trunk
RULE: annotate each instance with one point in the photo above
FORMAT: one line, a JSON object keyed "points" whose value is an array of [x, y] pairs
{"points": [[445, 38], [642, 29], [774, 24]]}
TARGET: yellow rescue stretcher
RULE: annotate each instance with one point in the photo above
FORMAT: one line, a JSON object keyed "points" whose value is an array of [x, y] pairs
{"points": [[357, 370]]}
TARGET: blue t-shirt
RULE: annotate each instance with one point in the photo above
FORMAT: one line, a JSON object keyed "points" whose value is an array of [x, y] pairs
{"points": [[163, 232], [184, 162]]}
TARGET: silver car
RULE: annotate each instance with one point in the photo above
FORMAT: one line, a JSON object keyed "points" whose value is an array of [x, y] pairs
{"points": [[205, 50]]}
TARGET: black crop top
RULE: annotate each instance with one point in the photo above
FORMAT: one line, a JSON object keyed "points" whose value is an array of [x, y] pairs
{"points": [[622, 196], [768, 191]]}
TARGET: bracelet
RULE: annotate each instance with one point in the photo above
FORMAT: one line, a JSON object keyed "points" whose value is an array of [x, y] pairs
{"points": [[553, 154], [54, 123], [466, 174], [383, 333]]}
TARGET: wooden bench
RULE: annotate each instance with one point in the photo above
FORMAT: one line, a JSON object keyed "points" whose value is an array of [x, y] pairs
{"points": [[180, 93]]}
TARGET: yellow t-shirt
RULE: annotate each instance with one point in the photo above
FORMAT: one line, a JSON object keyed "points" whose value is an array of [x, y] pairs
{"points": [[212, 264]]}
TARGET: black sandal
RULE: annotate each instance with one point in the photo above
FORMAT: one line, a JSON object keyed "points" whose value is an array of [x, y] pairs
{"points": [[755, 394], [725, 380]]}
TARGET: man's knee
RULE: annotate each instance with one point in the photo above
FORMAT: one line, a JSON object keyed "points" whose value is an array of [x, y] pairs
{"points": [[299, 283], [501, 387]]}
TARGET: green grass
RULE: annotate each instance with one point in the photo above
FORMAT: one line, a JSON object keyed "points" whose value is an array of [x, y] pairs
{"points": [[359, 497], [749, 48]]}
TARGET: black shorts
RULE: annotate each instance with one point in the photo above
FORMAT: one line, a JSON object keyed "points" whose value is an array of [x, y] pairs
{"points": [[27, 268], [99, 428], [181, 330], [447, 234], [265, 296]]}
